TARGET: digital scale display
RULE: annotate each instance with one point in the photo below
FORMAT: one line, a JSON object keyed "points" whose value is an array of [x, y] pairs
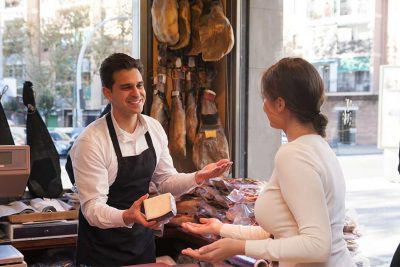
{"points": [[5, 157]]}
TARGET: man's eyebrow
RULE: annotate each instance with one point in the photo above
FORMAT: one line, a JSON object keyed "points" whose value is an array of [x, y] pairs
{"points": [[131, 84], [126, 85]]}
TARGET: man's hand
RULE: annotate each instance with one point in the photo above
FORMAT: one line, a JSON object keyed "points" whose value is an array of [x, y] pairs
{"points": [[134, 215], [217, 251], [213, 170]]}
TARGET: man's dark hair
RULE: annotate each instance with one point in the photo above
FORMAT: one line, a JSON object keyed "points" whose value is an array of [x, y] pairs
{"points": [[114, 63]]}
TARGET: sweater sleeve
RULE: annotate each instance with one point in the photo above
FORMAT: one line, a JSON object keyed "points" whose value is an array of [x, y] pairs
{"points": [[302, 190], [243, 232]]}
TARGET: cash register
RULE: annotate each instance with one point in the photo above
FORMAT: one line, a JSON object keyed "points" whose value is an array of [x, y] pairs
{"points": [[14, 175], [14, 172]]}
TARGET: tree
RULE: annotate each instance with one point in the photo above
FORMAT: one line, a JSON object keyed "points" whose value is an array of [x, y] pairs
{"points": [[15, 38], [50, 50], [115, 36]]}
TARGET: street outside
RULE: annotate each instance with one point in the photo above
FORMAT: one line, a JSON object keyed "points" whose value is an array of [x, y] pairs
{"points": [[373, 194]]}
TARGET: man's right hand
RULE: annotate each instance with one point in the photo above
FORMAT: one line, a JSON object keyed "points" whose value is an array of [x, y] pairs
{"points": [[134, 214]]}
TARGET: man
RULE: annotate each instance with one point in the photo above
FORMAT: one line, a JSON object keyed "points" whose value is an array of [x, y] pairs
{"points": [[114, 161]]}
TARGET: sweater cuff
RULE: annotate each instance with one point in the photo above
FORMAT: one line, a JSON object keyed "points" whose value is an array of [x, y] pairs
{"points": [[254, 250], [227, 230]]}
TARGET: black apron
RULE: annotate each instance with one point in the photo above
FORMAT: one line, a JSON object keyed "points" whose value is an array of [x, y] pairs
{"points": [[121, 246]]}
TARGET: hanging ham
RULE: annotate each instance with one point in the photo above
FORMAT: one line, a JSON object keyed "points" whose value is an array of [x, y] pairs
{"points": [[45, 177], [210, 144], [164, 14], [191, 103], [184, 24], [216, 33], [159, 108], [195, 45], [177, 129], [159, 105]]}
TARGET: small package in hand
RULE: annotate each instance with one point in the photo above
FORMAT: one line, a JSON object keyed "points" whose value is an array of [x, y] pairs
{"points": [[160, 208]]}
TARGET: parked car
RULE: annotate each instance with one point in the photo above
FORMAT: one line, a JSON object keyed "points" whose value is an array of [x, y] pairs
{"points": [[75, 132], [18, 134], [61, 141]]}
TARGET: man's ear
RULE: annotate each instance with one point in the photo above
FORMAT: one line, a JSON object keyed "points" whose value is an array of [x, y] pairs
{"points": [[280, 104], [107, 93]]}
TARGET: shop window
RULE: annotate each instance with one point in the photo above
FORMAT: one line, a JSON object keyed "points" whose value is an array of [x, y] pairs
{"points": [[12, 3], [324, 71], [358, 81], [347, 127], [353, 7], [345, 7]]}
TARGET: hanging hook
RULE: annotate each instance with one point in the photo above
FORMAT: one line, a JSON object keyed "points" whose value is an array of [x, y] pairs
{"points": [[3, 90]]}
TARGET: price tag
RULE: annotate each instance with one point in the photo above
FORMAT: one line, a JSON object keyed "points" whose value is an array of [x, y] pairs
{"points": [[210, 134]]}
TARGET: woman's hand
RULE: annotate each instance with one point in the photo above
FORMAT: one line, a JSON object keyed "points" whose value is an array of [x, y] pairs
{"points": [[212, 170], [218, 251], [135, 215], [206, 226]]}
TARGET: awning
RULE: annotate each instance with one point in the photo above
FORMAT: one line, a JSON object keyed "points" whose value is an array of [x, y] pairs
{"points": [[354, 64]]}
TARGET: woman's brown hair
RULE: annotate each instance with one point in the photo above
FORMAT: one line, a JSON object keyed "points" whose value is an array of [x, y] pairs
{"points": [[300, 85]]}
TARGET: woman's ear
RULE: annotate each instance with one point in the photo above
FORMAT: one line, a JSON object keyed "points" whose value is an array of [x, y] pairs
{"points": [[280, 104], [107, 93]]}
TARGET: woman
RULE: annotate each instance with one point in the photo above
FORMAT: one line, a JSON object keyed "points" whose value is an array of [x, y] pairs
{"points": [[303, 204]]}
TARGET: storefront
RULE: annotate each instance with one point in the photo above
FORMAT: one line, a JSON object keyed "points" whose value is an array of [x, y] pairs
{"points": [[173, 77]]}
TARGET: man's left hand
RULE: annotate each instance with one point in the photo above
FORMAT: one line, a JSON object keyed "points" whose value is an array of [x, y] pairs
{"points": [[213, 170]]}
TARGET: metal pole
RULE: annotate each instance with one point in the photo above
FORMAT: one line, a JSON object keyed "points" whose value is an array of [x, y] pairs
{"points": [[2, 5], [77, 116], [135, 29]]}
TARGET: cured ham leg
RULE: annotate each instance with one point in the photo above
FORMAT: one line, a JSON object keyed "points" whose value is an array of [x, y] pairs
{"points": [[164, 14], [159, 106], [195, 45], [177, 130], [184, 25], [191, 104], [216, 33], [210, 144]]}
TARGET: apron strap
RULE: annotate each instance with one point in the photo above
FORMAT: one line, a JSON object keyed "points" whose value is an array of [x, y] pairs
{"points": [[113, 136]]}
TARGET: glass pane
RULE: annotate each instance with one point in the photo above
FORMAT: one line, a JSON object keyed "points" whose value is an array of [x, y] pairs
{"points": [[362, 105], [53, 44]]}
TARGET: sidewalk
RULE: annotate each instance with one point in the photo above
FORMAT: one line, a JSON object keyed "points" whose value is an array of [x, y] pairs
{"points": [[373, 191]]}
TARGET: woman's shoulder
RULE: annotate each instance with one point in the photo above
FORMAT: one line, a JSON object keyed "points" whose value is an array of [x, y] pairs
{"points": [[303, 147]]}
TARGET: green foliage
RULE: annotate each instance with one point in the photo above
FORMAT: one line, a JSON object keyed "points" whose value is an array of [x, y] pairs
{"points": [[15, 37], [13, 105], [50, 51]]}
